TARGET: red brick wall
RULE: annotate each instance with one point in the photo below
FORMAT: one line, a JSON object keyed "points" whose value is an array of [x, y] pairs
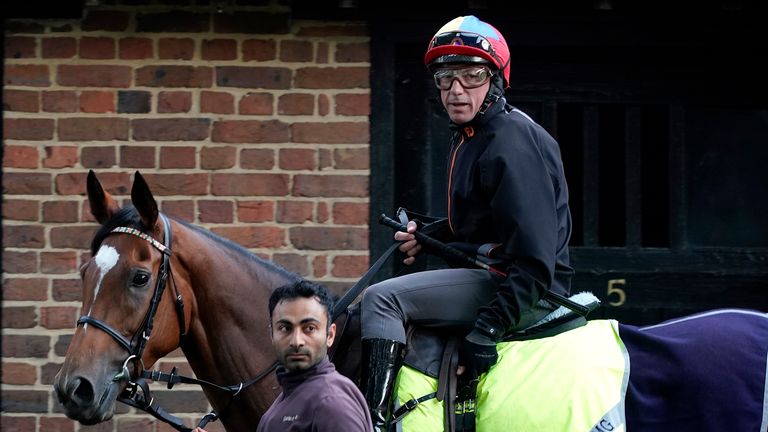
{"points": [[246, 122]]}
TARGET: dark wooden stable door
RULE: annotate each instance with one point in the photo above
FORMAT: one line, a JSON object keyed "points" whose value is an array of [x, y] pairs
{"points": [[664, 141]]}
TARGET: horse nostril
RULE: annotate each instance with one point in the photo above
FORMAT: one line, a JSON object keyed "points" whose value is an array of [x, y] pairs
{"points": [[81, 391]]}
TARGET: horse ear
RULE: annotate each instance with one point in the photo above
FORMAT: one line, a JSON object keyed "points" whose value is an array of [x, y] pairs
{"points": [[103, 206], [144, 202]]}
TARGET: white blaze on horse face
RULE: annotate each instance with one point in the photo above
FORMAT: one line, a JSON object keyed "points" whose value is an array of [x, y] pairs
{"points": [[105, 259]]}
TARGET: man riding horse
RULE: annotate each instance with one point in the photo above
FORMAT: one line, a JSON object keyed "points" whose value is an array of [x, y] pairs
{"points": [[507, 201]]}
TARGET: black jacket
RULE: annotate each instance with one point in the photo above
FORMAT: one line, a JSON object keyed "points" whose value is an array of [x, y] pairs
{"points": [[506, 186]]}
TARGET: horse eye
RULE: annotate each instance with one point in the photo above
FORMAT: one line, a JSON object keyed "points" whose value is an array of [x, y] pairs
{"points": [[140, 279]]}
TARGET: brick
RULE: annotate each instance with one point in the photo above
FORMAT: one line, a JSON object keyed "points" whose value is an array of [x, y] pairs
{"points": [[58, 317], [250, 131], [133, 156], [97, 101], [256, 104], [174, 102], [60, 101], [18, 373], [134, 48], [22, 210], [62, 342], [325, 159], [57, 424], [30, 129], [76, 237], [20, 47], [250, 184], [25, 346], [298, 159], [243, 22], [176, 21], [258, 159], [60, 156], [25, 401], [59, 47], [255, 211], [259, 50], [358, 52], [174, 76], [294, 212], [292, 262], [60, 211], [116, 183], [331, 133], [178, 184], [98, 157], [210, 211], [58, 262], [213, 158], [323, 212], [332, 78], [330, 186], [323, 105], [178, 157], [254, 236], [96, 48], [106, 20], [352, 158], [328, 238], [132, 102], [19, 317], [296, 104], [319, 267], [350, 213], [21, 100], [219, 49], [94, 76], [253, 77], [177, 129], [93, 129], [353, 104], [296, 51], [17, 423], [180, 209], [136, 424], [26, 75], [19, 262], [176, 48], [322, 53], [217, 102], [24, 236], [331, 30], [26, 183], [349, 266], [64, 290], [14, 26], [24, 289], [15, 156]]}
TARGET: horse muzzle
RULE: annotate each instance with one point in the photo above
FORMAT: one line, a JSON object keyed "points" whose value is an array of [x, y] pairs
{"points": [[86, 401]]}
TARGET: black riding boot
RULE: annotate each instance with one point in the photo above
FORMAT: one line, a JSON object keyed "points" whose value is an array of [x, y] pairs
{"points": [[381, 361]]}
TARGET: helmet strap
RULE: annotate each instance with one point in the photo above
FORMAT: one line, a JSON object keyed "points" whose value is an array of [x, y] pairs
{"points": [[495, 92]]}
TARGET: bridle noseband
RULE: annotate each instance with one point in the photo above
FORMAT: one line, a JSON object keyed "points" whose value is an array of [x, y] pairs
{"points": [[135, 346]]}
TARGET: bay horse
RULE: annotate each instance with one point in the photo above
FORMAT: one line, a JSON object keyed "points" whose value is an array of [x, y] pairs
{"points": [[153, 284]]}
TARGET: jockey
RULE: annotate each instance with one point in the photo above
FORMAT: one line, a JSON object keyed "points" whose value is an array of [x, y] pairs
{"points": [[507, 201]]}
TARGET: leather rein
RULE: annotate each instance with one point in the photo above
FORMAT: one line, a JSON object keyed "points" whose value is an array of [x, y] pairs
{"points": [[135, 346]]}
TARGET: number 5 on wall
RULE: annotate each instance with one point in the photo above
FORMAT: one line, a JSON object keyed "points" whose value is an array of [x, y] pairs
{"points": [[615, 286]]}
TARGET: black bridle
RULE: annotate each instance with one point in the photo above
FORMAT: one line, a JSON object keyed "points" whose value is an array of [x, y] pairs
{"points": [[135, 346]]}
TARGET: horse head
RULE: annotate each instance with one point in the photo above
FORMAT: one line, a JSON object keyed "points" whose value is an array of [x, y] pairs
{"points": [[123, 303]]}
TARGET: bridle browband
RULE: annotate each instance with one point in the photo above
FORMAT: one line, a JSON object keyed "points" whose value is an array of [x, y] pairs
{"points": [[135, 346]]}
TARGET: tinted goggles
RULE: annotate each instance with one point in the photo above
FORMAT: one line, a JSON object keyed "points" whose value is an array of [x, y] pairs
{"points": [[469, 77]]}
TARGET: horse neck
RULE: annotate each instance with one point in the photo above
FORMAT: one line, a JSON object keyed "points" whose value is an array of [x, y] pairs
{"points": [[228, 340]]}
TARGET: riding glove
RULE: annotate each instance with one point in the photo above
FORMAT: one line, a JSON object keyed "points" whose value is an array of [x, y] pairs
{"points": [[478, 353]]}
